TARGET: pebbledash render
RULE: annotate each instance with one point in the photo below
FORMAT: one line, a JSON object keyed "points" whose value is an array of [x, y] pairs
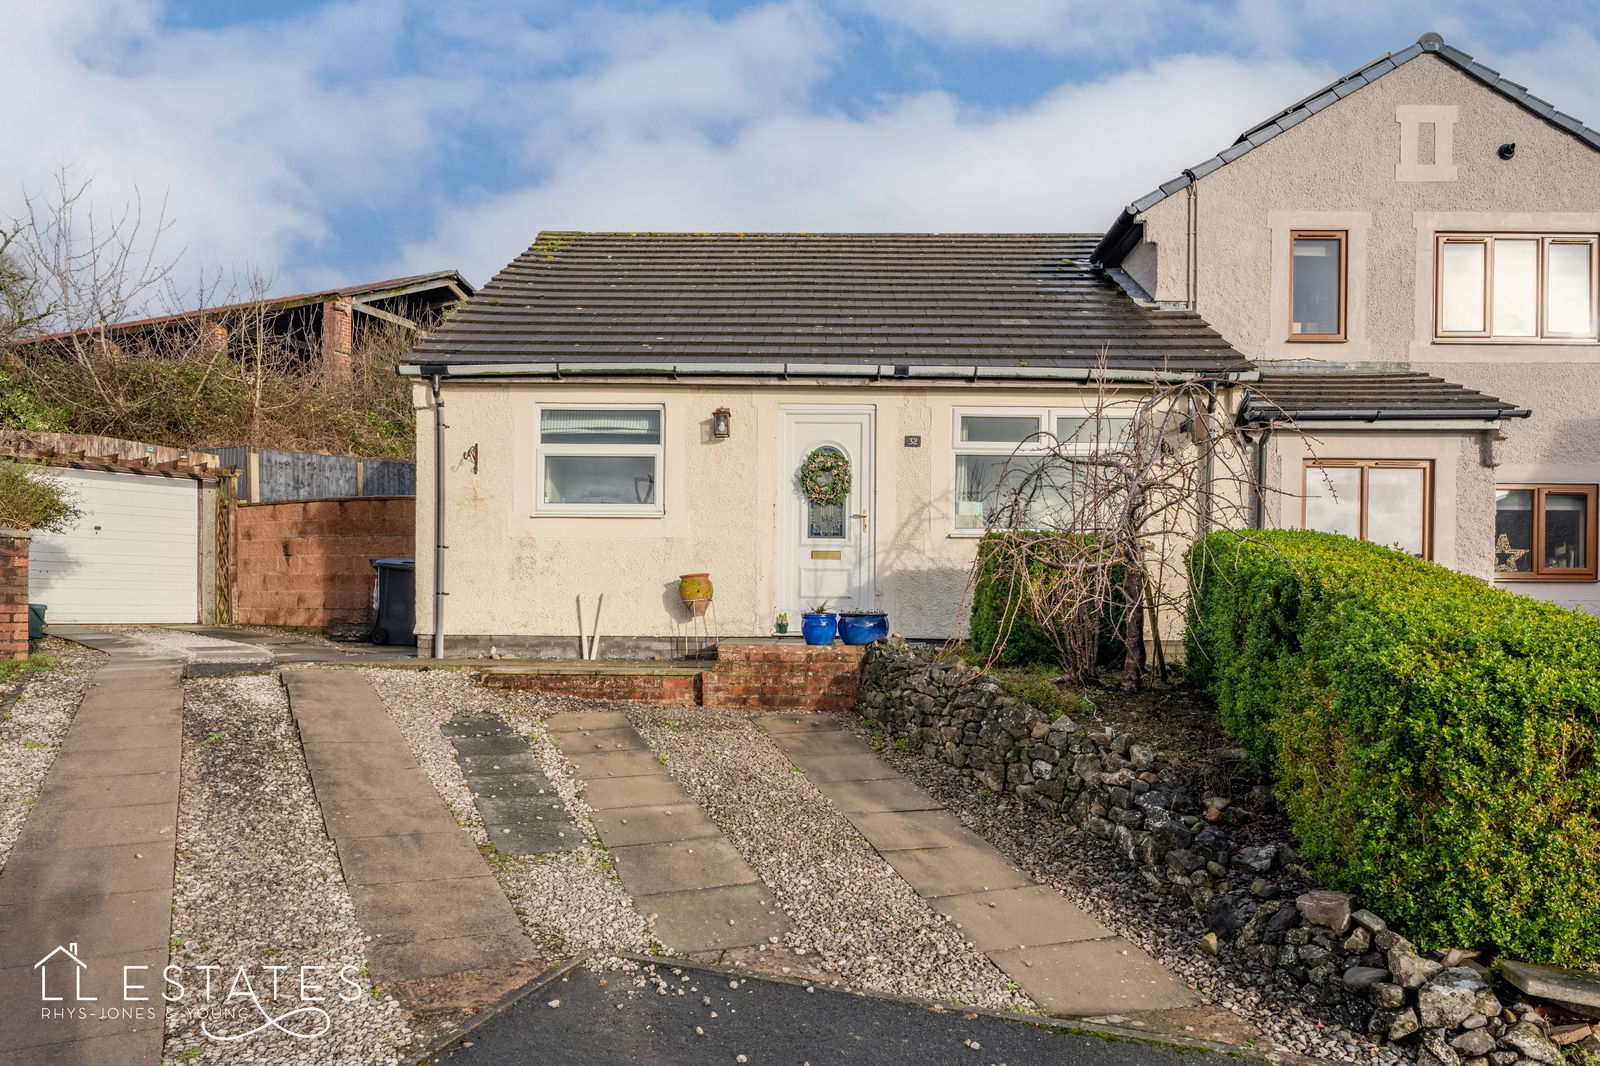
{"points": [[1379, 262]]}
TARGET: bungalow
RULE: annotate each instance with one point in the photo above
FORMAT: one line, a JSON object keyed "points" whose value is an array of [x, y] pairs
{"points": [[1380, 261]]}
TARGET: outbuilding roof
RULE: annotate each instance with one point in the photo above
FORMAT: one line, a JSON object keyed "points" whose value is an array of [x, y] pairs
{"points": [[1367, 396], [1117, 242], [890, 304]]}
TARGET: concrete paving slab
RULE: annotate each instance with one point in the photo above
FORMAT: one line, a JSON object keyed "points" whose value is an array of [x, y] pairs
{"points": [[407, 857], [604, 740], [338, 757], [410, 960], [819, 742], [585, 721], [60, 826], [511, 786], [898, 830], [508, 744], [431, 910], [888, 794], [647, 869], [595, 766], [535, 838], [21, 1023], [1019, 918], [113, 790], [163, 732], [435, 934], [799, 723], [481, 765], [622, 826], [73, 762], [712, 919], [58, 873], [937, 872], [350, 795], [1093, 977], [613, 792], [355, 728], [140, 1046], [476, 727], [386, 818], [827, 769], [116, 923], [510, 810]]}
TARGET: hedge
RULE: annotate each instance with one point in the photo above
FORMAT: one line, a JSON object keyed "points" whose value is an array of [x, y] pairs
{"points": [[1433, 739], [997, 619]]}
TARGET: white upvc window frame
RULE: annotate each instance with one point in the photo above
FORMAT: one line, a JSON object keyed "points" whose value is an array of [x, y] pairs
{"points": [[1042, 442], [1542, 334], [542, 451]]}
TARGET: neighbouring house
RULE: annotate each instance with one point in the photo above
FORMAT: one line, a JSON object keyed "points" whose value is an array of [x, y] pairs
{"points": [[1380, 263], [1422, 219], [321, 329]]}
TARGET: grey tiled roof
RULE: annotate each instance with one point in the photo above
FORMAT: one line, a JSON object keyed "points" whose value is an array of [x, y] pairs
{"points": [[761, 303], [1361, 395], [1108, 251]]}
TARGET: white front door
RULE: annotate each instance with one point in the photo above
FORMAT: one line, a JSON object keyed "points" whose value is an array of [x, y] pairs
{"points": [[825, 550]]}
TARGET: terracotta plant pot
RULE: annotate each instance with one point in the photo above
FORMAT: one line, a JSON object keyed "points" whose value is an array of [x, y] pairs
{"points": [[695, 591]]}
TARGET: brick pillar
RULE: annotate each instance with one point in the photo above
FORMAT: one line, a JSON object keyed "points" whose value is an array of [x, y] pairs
{"points": [[13, 593], [338, 338]]}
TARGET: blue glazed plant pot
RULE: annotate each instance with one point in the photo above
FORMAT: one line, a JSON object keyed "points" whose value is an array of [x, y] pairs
{"points": [[864, 627], [819, 628]]}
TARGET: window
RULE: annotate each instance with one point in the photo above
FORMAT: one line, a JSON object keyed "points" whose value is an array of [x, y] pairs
{"points": [[1317, 285], [1001, 459], [1544, 533], [599, 460], [1523, 287], [1386, 501]]}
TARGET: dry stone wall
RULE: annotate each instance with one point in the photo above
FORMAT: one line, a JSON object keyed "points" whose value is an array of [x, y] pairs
{"points": [[1341, 959]]}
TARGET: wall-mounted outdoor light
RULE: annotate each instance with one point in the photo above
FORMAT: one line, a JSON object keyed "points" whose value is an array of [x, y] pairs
{"points": [[722, 423]]}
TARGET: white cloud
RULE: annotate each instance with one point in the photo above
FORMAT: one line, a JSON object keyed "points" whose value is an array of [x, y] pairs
{"points": [[1069, 162], [1047, 25]]}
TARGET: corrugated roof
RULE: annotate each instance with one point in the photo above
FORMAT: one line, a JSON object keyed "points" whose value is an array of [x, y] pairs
{"points": [[761, 301], [1114, 245], [371, 290], [1380, 395]]}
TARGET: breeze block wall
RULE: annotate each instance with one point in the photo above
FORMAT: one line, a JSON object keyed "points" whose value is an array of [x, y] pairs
{"points": [[309, 562], [13, 594]]}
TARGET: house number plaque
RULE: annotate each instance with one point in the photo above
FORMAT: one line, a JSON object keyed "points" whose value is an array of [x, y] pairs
{"points": [[913, 442]]}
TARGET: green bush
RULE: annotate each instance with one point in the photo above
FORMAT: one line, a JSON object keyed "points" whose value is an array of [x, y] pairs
{"points": [[998, 621], [1433, 739], [30, 498]]}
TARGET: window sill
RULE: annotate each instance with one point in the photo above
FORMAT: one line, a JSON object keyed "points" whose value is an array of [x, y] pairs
{"points": [[1317, 338], [1543, 342], [591, 512], [1569, 579]]}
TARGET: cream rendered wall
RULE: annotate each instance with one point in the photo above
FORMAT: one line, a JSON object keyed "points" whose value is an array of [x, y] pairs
{"points": [[1463, 487], [1338, 170], [510, 574]]}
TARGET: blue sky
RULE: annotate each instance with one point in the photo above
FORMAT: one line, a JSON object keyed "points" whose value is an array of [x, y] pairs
{"points": [[332, 141]]}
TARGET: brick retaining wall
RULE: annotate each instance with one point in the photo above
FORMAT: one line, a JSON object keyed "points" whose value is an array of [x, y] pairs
{"points": [[13, 594], [308, 562]]}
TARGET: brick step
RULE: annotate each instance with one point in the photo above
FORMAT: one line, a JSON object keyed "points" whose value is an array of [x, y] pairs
{"points": [[732, 651], [676, 689]]}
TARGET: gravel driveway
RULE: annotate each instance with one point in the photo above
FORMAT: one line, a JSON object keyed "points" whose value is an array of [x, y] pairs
{"points": [[259, 884]]}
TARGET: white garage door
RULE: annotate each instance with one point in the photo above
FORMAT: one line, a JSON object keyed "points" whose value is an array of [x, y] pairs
{"points": [[134, 556]]}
